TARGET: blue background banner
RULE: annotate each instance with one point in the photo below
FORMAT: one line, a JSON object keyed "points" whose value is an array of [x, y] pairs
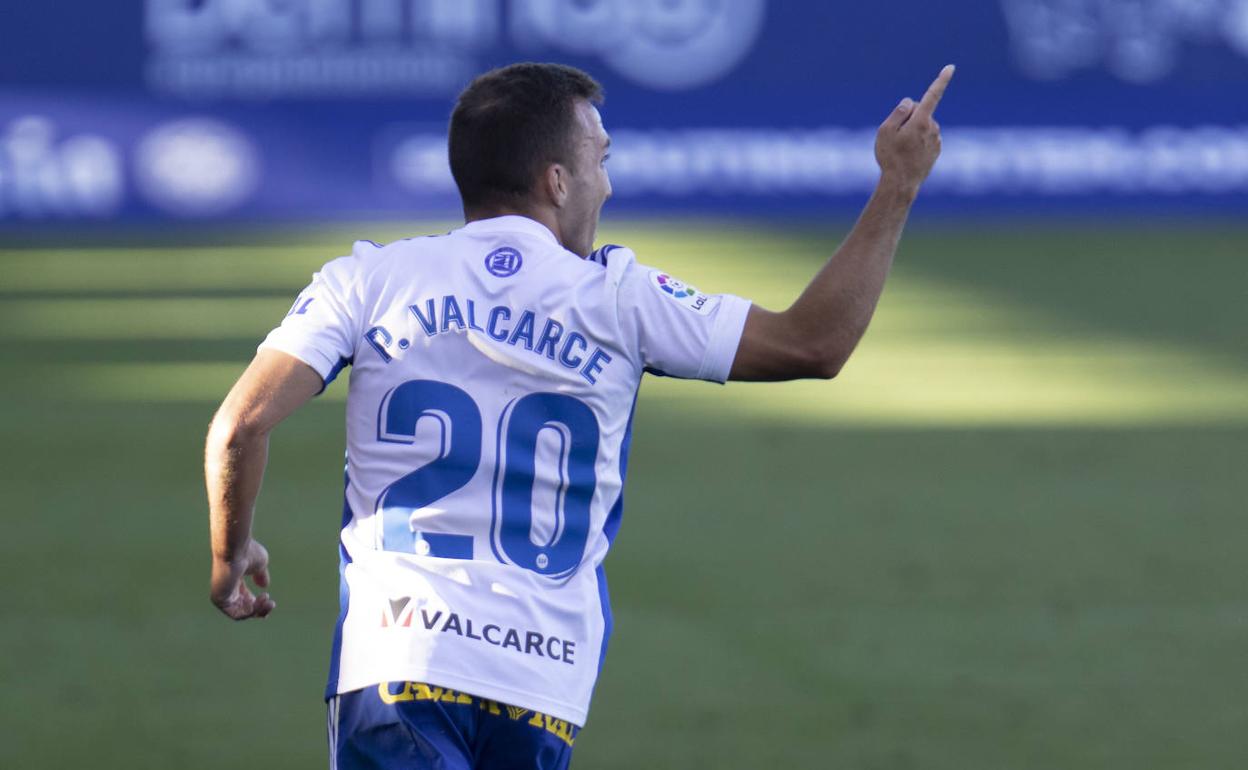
{"points": [[258, 110]]}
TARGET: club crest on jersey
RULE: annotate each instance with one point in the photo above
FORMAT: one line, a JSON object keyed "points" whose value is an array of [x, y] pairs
{"points": [[682, 293], [504, 262]]}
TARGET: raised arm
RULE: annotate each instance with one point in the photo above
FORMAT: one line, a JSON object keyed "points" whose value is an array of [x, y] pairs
{"points": [[272, 387], [817, 334]]}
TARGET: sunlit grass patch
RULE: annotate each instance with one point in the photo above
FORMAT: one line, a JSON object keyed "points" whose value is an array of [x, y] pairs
{"points": [[984, 384], [131, 269], [939, 353], [119, 319], [896, 382], [184, 382]]}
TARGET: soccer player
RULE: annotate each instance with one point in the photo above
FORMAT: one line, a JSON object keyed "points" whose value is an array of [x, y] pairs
{"points": [[494, 376]]}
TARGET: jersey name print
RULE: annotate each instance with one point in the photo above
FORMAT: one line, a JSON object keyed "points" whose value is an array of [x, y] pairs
{"points": [[493, 378], [518, 328]]}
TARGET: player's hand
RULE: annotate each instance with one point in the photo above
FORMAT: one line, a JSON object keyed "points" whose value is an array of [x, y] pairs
{"points": [[908, 141], [230, 592]]}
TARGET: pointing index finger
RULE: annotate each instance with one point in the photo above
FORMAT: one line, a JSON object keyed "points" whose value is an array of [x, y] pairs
{"points": [[934, 92]]}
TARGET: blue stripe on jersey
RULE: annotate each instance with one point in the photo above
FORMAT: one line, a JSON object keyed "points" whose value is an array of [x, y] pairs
{"points": [[344, 596], [610, 528], [600, 255], [661, 373], [604, 599], [333, 373]]}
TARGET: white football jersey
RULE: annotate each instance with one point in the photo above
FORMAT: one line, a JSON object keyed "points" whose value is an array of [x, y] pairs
{"points": [[493, 380]]}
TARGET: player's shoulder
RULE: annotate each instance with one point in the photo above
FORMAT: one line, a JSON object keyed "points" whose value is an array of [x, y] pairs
{"points": [[371, 253], [351, 268], [623, 268], [611, 252], [614, 260], [369, 258], [366, 250]]}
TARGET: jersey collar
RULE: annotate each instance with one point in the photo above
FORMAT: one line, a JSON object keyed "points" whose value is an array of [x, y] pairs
{"points": [[511, 223]]}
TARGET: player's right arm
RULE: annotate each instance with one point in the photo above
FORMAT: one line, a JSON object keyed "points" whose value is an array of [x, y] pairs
{"points": [[295, 362], [237, 449], [817, 334]]}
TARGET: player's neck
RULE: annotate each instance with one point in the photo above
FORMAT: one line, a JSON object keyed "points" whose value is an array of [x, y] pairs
{"points": [[539, 214]]}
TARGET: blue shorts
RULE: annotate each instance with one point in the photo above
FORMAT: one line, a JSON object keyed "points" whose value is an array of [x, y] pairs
{"points": [[414, 726]]}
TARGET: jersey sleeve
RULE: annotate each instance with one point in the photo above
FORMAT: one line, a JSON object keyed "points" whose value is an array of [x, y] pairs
{"points": [[679, 330], [320, 328]]}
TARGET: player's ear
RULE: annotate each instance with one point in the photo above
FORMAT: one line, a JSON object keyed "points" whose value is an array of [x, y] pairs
{"points": [[555, 182]]}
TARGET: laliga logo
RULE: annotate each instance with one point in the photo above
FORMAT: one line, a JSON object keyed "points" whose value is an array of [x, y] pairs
{"points": [[674, 287], [682, 293], [667, 45]]}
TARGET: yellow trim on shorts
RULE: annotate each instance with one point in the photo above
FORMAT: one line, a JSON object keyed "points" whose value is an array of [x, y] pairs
{"points": [[419, 691]]}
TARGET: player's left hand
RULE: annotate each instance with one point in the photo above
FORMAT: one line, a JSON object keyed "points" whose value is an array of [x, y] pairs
{"points": [[230, 592]]}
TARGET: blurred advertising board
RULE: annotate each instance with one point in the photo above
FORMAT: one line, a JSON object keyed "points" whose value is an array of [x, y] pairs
{"points": [[291, 110]]}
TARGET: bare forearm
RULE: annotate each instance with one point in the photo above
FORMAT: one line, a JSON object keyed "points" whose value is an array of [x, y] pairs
{"points": [[233, 469], [274, 385], [816, 335], [837, 305]]}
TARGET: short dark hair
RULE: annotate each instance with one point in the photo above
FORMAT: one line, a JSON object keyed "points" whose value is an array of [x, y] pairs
{"points": [[512, 122]]}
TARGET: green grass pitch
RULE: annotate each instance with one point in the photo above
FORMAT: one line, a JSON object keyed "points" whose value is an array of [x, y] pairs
{"points": [[1010, 535]]}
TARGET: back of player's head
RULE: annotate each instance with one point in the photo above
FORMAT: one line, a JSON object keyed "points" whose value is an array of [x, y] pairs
{"points": [[510, 124]]}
